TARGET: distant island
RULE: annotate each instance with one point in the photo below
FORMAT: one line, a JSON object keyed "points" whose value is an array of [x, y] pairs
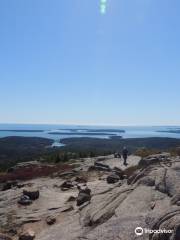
{"points": [[21, 131], [82, 133], [170, 131], [104, 130]]}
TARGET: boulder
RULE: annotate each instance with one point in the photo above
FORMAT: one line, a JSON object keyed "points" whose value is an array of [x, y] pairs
{"points": [[66, 185], [117, 155], [50, 220], [82, 198], [99, 167], [98, 164], [112, 178], [33, 194], [25, 200], [71, 199], [85, 190], [80, 180], [149, 161], [27, 235], [118, 172]]}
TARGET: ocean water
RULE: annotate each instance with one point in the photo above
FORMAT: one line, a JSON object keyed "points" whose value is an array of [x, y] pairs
{"points": [[67, 131]]}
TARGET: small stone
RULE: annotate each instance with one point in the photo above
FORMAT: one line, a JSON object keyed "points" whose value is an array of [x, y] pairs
{"points": [[112, 178], [118, 172], [27, 235], [85, 190], [20, 185], [80, 180], [25, 200], [50, 220], [153, 204], [71, 199], [33, 194], [66, 185]]}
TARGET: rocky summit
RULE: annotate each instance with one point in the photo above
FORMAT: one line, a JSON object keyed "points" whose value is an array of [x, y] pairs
{"points": [[100, 199]]}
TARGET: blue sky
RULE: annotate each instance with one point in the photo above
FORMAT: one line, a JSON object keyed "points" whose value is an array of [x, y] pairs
{"points": [[62, 61]]}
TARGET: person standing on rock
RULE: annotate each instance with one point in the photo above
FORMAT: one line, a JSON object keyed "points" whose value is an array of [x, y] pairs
{"points": [[125, 155]]}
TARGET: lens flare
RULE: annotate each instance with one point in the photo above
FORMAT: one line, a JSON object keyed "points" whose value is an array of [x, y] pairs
{"points": [[103, 6]]}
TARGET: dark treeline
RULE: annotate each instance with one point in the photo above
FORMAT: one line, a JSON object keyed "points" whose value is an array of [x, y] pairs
{"points": [[21, 149], [115, 144]]}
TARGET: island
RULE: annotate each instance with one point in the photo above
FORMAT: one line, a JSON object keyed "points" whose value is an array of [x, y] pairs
{"points": [[170, 131]]}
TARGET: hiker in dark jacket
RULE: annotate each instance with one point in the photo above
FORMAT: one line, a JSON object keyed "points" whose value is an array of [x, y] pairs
{"points": [[125, 155]]}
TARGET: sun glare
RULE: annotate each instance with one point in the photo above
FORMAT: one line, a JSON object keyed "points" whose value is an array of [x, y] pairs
{"points": [[103, 6]]}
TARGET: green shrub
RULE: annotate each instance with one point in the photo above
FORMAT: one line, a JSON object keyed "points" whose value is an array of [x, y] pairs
{"points": [[145, 152], [175, 151]]}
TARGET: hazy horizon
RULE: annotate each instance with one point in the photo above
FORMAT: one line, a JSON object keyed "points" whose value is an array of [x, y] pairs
{"points": [[90, 63], [98, 125]]}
